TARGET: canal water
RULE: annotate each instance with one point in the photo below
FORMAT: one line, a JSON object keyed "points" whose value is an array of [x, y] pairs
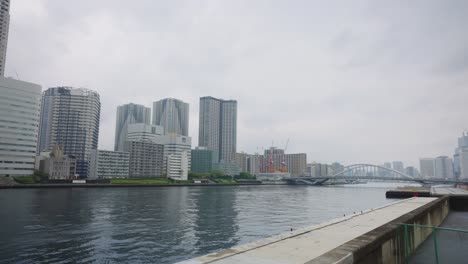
{"points": [[161, 225]]}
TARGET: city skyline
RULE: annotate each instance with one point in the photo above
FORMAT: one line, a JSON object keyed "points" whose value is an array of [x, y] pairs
{"points": [[311, 118], [331, 96]]}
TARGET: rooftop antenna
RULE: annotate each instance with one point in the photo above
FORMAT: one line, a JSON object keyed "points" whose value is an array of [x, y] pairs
{"points": [[17, 76]]}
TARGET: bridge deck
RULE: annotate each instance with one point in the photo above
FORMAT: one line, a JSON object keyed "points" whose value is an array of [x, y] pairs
{"points": [[306, 244]]}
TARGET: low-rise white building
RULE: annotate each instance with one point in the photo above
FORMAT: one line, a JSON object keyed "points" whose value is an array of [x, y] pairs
{"points": [[177, 165], [57, 165], [105, 164], [176, 146], [273, 176]]}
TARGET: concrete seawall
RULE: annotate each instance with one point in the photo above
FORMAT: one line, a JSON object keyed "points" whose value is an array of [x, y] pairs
{"points": [[367, 237], [385, 244]]}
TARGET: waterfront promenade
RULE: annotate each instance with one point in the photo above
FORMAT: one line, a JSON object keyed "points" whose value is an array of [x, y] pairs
{"points": [[302, 246]]}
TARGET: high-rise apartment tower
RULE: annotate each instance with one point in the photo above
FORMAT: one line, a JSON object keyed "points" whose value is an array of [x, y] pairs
{"points": [[218, 127], [70, 117], [173, 115], [427, 167], [129, 114]]}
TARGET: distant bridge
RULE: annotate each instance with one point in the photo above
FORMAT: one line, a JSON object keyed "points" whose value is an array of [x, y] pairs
{"points": [[369, 172]]}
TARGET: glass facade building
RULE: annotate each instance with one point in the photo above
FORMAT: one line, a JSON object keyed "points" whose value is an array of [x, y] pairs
{"points": [[173, 115], [129, 114], [19, 121], [457, 162], [218, 127], [70, 117], [202, 160]]}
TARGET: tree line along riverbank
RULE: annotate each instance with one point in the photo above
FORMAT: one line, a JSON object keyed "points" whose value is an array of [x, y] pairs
{"points": [[194, 179]]}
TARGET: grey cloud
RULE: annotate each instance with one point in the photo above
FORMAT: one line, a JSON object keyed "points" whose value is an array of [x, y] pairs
{"points": [[347, 81]]}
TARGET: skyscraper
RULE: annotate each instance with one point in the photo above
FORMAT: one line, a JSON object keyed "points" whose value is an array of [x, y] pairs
{"points": [[463, 162], [4, 28], [218, 127], [457, 162], [398, 166], [427, 167], [173, 115], [70, 117], [129, 114], [411, 171], [443, 168], [387, 165], [19, 111]]}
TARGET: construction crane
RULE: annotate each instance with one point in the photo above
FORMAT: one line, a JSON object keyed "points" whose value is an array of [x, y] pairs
{"points": [[271, 165], [283, 163]]}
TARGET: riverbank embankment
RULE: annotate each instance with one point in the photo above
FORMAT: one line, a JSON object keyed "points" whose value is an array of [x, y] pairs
{"points": [[331, 242], [111, 185]]}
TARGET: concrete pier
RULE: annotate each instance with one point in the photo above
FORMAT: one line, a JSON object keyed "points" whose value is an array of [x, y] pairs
{"points": [[307, 244]]}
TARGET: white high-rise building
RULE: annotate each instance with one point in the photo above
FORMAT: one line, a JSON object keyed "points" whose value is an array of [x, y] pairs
{"points": [[443, 168], [144, 132], [173, 115], [427, 167], [70, 117], [218, 127], [398, 166], [19, 125], [4, 28], [129, 114], [412, 171], [463, 164], [177, 165], [462, 147]]}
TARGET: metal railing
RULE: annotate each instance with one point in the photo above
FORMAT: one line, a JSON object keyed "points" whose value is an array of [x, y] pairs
{"points": [[426, 233]]}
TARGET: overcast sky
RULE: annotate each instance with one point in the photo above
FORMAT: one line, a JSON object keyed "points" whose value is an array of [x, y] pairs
{"points": [[348, 81]]}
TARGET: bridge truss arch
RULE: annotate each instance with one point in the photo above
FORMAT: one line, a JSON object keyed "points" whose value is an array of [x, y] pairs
{"points": [[370, 170]]}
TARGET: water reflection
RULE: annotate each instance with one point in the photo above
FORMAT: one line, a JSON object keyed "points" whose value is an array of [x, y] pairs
{"points": [[216, 223], [159, 225]]}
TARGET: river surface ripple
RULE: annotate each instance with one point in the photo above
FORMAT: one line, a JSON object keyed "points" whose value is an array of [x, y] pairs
{"points": [[160, 225]]}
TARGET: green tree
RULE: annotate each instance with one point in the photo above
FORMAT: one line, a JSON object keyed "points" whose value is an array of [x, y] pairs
{"points": [[245, 175], [39, 176], [198, 175], [217, 173]]}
